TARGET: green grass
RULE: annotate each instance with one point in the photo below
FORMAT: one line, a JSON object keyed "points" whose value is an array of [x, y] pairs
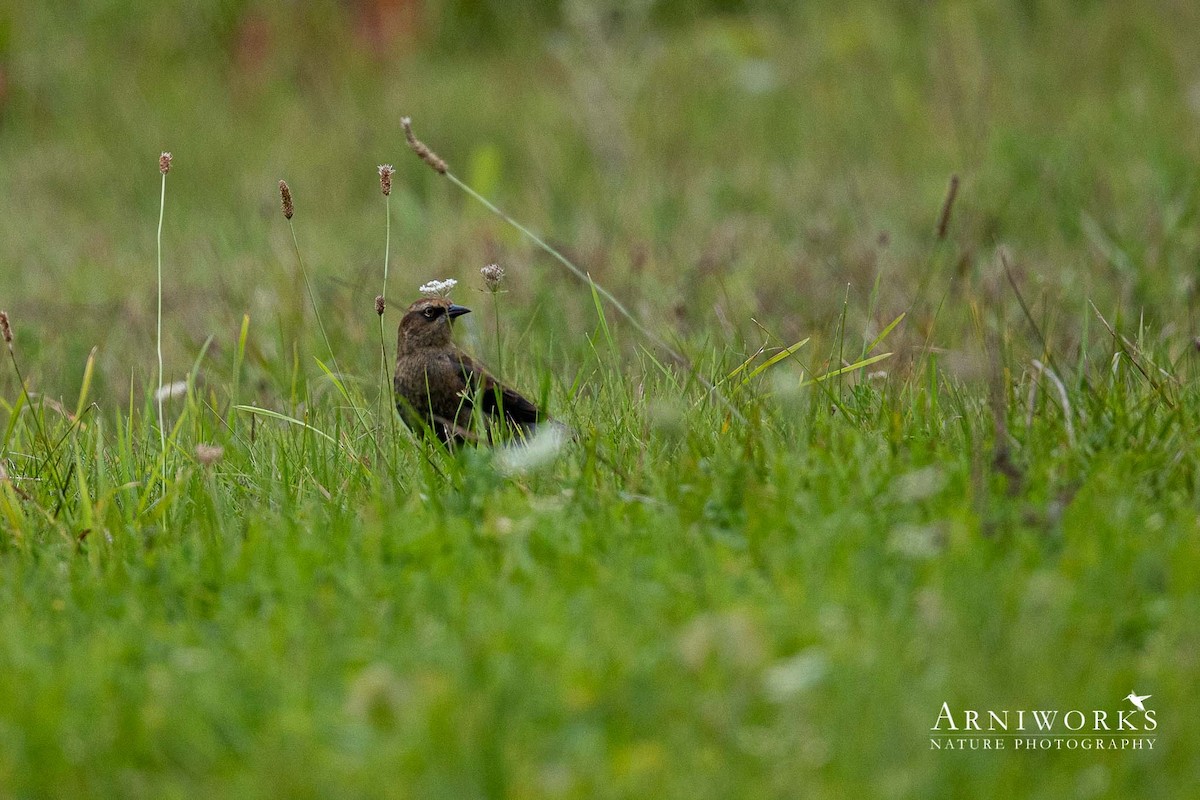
{"points": [[770, 598]]}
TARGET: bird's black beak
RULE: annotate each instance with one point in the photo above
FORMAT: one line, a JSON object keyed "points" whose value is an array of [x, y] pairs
{"points": [[457, 311]]}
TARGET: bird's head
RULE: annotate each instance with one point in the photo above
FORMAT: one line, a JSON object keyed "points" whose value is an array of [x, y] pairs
{"points": [[427, 323]]}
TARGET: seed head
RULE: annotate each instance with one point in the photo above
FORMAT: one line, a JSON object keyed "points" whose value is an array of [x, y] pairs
{"points": [[285, 194], [209, 454], [423, 152], [947, 207], [164, 163], [380, 304], [493, 276], [385, 178], [6, 329]]}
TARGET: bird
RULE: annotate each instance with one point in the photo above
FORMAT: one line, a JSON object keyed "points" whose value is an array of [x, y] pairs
{"points": [[1138, 700], [438, 386]]}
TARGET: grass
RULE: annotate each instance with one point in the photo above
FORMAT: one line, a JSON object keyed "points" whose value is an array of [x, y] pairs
{"points": [[692, 600]]}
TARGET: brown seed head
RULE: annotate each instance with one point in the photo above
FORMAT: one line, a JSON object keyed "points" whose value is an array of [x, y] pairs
{"points": [[286, 195], [423, 152], [380, 304], [209, 454], [947, 207], [164, 163], [386, 172], [493, 276], [6, 329]]}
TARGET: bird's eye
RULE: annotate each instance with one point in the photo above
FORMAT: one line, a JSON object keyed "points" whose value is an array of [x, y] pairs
{"points": [[430, 313]]}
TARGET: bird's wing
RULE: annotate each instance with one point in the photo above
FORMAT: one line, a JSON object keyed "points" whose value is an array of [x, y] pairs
{"points": [[494, 397]]}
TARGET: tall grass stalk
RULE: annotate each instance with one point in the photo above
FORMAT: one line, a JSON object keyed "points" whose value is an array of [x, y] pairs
{"points": [[288, 212], [493, 278], [440, 166], [164, 166], [6, 332], [385, 186], [335, 375]]}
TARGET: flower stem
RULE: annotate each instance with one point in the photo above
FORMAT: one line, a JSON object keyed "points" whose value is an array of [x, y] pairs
{"points": [[312, 298], [677, 356], [499, 349], [384, 387], [158, 395]]}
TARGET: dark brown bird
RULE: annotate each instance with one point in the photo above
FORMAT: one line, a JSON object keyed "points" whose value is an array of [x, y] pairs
{"points": [[438, 386]]}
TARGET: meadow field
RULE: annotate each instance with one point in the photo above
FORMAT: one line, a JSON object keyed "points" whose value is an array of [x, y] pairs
{"points": [[895, 411]]}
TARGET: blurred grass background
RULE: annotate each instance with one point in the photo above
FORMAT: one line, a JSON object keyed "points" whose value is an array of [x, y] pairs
{"points": [[713, 162], [750, 610]]}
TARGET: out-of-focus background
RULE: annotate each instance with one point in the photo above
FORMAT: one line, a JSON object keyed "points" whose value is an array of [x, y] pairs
{"points": [[766, 599], [712, 162]]}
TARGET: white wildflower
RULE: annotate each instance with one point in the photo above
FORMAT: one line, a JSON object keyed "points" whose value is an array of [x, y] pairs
{"points": [[176, 389], [438, 288], [796, 675], [493, 276], [538, 451]]}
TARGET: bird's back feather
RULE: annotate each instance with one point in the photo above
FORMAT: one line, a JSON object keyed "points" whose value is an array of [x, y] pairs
{"points": [[495, 399]]}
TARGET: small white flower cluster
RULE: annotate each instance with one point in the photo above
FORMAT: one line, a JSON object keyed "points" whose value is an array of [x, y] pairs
{"points": [[539, 450], [493, 276], [436, 288], [170, 390]]}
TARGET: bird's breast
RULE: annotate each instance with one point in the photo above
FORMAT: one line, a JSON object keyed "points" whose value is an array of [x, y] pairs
{"points": [[428, 380]]}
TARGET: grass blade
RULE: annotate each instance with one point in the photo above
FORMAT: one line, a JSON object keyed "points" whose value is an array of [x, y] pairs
{"points": [[775, 359], [866, 362], [265, 412]]}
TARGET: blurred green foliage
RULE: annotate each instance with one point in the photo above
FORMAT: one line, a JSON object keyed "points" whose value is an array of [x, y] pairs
{"points": [[749, 160]]}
